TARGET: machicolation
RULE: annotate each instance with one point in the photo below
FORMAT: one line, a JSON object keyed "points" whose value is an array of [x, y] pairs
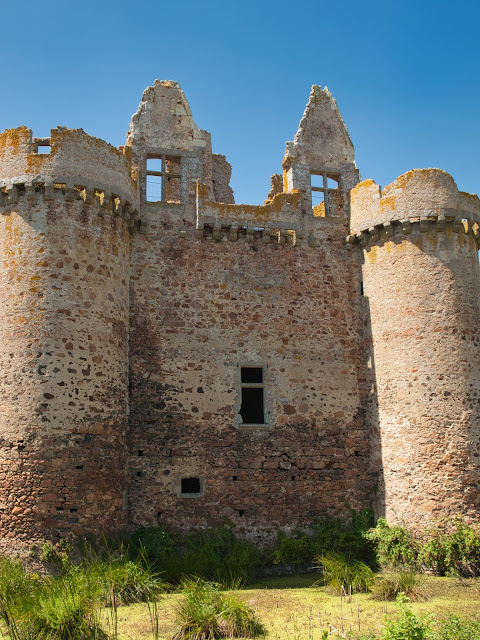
{"points": [[172, 358]]}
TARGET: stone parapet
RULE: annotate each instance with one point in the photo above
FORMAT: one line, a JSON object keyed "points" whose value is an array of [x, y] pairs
{"points": [[278, 218], [74, 158], [71, 188], [420, 200]]}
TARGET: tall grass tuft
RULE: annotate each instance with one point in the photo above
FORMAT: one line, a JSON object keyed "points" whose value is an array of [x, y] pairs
{"points": [[206, 612], [340, 572], [389, 584]]}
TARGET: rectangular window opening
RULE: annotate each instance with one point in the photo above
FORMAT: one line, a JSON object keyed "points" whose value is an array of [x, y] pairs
{"points": [[42, 145], [191, 486], [252, 408], [323, 185], [163, 179]]}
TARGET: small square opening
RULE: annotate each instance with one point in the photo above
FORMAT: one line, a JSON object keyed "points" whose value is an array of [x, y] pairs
{"points": [[154, 164], [252, 374], [191, 486], [332, 183]]}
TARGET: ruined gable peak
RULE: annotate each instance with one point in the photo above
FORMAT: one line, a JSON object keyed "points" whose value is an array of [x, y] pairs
{"points": [[322, 139], [164, 120]]}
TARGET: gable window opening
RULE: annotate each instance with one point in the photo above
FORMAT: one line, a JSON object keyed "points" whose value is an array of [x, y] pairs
{"points": [[163, 179], [252, 408], [324, 191], [42, 146]]}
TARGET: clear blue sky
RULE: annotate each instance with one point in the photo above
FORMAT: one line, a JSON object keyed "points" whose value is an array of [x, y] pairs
{"points": [[405, 75]]}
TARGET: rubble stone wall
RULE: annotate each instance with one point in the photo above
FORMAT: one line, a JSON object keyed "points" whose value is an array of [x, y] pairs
{"points": [[421, 280], [200, 308]]}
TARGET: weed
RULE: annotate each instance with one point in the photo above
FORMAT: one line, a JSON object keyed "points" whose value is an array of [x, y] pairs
{"points": [[205, 611], [339, 572], [454, 628], [48, 553], [389, 584]]}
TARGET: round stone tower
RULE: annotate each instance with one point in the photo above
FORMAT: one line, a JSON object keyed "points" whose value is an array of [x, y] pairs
{"points": [[66, 205], [421, 283]]}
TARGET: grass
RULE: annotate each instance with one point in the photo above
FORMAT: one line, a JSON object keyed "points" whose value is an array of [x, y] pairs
{"points": [[390, 583], [291, 609], [205, 611]]}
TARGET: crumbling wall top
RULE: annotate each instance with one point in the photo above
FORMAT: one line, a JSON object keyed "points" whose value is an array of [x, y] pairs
{"points": [[164, 120], [322, 139]]}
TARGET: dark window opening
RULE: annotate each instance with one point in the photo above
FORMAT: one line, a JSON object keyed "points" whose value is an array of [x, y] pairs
{"points": [[140, 474], [234, 478], [361, 288], [79, 466], [140, 452], [159, 514], [252, 374], [73, 510], [241, 512], [292, 478], [164, 179], [191, 485], [252, 410]]}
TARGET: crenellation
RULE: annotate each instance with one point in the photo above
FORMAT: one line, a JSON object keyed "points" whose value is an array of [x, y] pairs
{"points": [[172, 358]]}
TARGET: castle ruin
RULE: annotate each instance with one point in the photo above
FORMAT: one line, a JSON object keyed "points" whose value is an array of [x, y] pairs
{"points": [[171, 358]]}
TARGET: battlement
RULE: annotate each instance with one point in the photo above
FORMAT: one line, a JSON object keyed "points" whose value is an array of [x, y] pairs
{"points": [[72, 157], [421, 199], [277, 221]]}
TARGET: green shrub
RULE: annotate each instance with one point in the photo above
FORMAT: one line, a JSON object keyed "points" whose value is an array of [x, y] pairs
{"points": [[339, 572], [453, 548], [205, 611], [48, 553], [406, 625], [292, 550], [213, 554], [344, 537], [390, 584], [454, 628], [323, 536], [395, 546]]}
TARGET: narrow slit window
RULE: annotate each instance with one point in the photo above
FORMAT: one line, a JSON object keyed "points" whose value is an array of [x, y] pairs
{"points": [[164, 179], [252, 408]]}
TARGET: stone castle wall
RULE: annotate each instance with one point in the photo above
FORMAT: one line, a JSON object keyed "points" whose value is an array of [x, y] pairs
{"points": [[127, 319], [65, 257], [421, 280]]}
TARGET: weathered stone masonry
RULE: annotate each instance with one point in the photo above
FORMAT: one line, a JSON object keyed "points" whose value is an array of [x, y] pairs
{"points": [[169, 357]]}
